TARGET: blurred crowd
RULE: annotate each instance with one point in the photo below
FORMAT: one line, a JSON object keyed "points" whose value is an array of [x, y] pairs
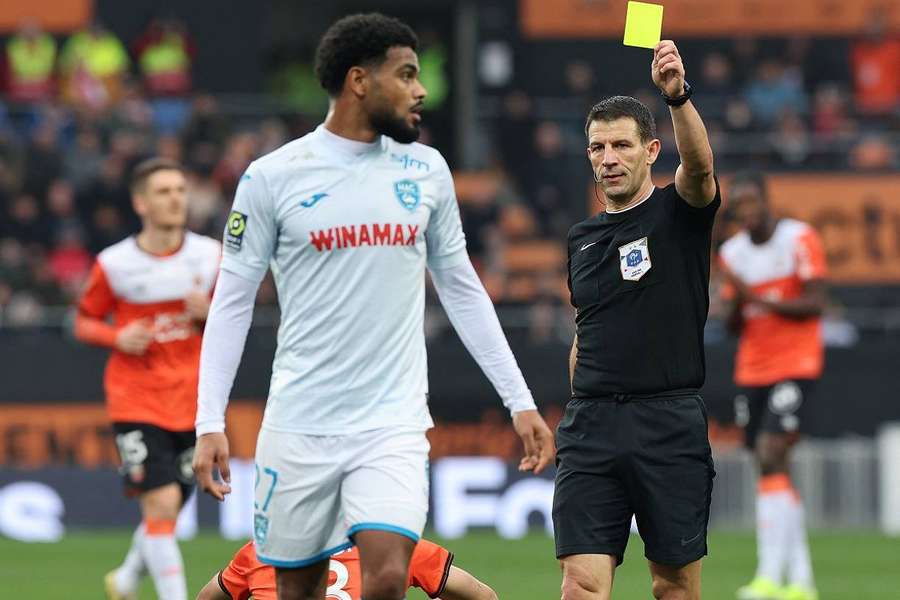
{"points": [[76, 114]]}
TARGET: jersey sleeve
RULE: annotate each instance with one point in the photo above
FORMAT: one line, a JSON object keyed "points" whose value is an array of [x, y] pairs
{"points": [[250, 232], [98, 299], [444, 238], [704, 214], [811, 263], [429, 568], [95, 304], [233, 578]]}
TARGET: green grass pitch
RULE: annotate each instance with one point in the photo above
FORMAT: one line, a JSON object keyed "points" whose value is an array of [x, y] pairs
{"points": [[849, 566]]}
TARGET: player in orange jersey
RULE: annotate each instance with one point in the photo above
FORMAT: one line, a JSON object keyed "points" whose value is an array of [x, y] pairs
{"points": [[430, 569], [146, 300], [775, 269]]}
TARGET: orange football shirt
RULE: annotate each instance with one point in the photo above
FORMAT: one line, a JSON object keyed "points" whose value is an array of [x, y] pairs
{"points": [[245, 576], [128, 284], [773, 347]]}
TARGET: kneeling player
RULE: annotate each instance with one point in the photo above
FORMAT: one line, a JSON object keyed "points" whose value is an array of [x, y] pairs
{"points": [[430, 569]]}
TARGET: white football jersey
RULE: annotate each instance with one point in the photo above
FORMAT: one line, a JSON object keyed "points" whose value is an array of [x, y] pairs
{"points": [[347, 228]]}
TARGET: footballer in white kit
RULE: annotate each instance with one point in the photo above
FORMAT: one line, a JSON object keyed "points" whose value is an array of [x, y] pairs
{"points": [[348, 222], [347, 227]]}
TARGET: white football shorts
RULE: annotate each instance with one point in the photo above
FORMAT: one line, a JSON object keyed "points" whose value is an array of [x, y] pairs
{"points": [[314, 492]]}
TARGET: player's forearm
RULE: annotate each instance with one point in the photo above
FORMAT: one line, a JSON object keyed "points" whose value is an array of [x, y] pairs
{"points": [[810, 303], [461, 585], [796, 308], [473, 317], [212, 591], [734, 321], [692, 141], [223, 343], [97, 332]]}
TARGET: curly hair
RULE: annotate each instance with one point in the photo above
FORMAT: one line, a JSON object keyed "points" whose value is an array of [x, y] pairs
{"points": [[619, 107], [356, 40]]}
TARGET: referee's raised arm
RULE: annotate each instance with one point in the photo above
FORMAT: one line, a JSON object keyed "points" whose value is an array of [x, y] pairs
{"points": [[694, 177]]}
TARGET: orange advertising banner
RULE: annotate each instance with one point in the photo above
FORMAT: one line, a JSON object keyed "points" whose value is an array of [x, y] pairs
{"points": [[858, 217], [41, 435], [709, 18], [53, 15], [35, 435]]}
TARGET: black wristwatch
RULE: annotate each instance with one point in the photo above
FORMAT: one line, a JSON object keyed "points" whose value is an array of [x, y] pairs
{"points": [[679, 100]]}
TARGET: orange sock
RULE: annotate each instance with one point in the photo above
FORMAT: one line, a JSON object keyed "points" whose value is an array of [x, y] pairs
{"points": [[777, 482], [159, 526]]}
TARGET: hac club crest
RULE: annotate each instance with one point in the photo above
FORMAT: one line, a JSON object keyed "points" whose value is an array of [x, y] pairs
{"points": [[407, 192], [634, 259]]}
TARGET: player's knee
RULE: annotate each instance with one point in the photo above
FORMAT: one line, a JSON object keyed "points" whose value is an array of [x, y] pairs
{"points": [[772, 459], [162, 503], [385, 583], [579, 583]]}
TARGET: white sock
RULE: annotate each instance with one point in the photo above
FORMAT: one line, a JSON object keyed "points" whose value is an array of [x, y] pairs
{"points": [[129, 573], [799, 563], [773, 532], [164, 562]]}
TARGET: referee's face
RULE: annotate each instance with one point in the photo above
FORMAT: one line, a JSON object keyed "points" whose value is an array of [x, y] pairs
{"points": [[620, 160]]}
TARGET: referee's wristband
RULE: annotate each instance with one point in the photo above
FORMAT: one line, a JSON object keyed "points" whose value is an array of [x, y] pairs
{"points": [[679, 100]]}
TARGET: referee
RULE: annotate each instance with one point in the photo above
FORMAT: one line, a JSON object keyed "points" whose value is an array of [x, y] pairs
{"points": [[634, 440]]}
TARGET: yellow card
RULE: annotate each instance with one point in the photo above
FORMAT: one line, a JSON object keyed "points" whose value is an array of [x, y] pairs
{"points": [[643, 24]]}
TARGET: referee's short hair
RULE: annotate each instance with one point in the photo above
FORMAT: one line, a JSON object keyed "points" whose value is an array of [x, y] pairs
{"points": [[752, 177], [620, 107], [357, 40]]}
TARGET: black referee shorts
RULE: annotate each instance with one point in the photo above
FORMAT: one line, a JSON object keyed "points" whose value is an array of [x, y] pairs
{"points": [[621, 456]]}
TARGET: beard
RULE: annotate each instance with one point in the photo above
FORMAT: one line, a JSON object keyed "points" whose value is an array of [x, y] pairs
{"points": [[386, 123]]}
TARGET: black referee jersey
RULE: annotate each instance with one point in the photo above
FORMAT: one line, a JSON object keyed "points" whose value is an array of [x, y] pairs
{"points": [[639, 280]]}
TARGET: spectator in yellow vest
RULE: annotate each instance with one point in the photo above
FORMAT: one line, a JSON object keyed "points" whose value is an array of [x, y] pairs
{"points": [[30, 62], [93, 64], [165, 53]]}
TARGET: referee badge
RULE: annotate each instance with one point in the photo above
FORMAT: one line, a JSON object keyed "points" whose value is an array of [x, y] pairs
{"points": [[634, 259]]}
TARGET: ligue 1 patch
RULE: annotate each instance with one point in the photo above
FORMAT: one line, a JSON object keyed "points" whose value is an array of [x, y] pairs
{"points": [[634, 259], [234, 230], [407, 192]]}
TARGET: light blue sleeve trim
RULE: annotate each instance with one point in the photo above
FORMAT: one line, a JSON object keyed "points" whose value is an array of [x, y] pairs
{"points": [[382, 527], [295, 564]]}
